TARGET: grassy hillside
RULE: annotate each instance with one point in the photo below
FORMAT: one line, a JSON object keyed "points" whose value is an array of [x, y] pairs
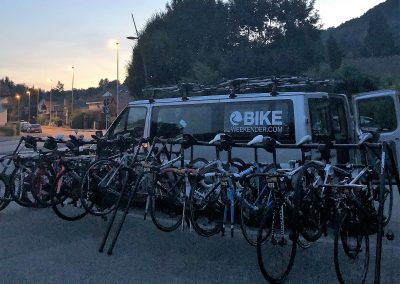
{"points": [[351, 34]]}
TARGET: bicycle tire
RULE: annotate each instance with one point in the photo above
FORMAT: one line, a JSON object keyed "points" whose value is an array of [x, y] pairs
{"points": [[346, 253], [99, 201], [308, 210], [20, 192], [289, 243], [64, 190], [206, 215], [5, 197], [42, 187], [165, 203]]}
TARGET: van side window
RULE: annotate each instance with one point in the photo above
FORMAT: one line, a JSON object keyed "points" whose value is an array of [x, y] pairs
{"points": [[132, 120], [339, 119], [377, 114], [201, 121], [275, 118], [320, 119]]}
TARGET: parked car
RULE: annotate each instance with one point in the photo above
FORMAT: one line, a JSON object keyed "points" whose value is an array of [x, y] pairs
{"points": [[24, 125], [34, 128]]}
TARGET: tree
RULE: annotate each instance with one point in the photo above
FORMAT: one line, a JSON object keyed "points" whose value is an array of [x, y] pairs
{"points": [[379, 38], [202, 40], [334, 53], [59, 88], [103, 83]]}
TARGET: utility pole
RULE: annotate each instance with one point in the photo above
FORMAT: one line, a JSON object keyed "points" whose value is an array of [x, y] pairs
{"points": [[117, 77], [29, 106], [72, 95]]}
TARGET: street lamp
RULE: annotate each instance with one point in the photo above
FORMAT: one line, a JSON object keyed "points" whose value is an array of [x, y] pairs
{"points": [[37, 103], [72, 94], [29, 106], [18, 97], [117, 43], [137, 37], [51, 104]]}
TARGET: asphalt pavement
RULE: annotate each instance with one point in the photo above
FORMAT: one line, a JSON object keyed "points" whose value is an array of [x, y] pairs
{"points": [[38, 247]]}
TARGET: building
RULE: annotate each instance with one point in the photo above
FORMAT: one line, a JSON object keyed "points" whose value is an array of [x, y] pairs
{"points": [[3, 111]]}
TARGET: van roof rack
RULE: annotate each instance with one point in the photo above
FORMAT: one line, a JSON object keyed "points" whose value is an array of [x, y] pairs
{"points": [[241, 85]]}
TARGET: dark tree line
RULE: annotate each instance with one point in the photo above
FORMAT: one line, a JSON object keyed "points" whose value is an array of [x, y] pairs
{"points": [[206, 41]]}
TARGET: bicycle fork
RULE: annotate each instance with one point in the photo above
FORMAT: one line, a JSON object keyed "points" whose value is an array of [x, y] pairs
{"points": [[229, 206]]}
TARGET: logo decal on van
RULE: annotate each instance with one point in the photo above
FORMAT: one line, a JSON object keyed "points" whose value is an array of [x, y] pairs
{"points": [[236, 118], [256, 121]]}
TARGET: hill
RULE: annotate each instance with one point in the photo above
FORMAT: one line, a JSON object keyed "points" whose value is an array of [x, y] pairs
{"points": [[352, 34]]}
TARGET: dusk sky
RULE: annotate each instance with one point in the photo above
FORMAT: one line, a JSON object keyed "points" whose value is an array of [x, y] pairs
{"points": [[42, 39]]}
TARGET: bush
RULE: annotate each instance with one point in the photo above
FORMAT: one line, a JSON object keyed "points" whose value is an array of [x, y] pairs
{"points": [[9, 130], [353, 81], [42, 120], [84, 120]]}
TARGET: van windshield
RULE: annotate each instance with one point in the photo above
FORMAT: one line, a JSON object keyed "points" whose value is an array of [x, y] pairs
{"points": [[377, 114], [131, 120]]}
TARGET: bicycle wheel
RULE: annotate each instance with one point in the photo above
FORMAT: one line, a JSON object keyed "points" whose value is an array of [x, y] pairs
{"points": [[276, 244], [254, 197], [42, 186], [387, 197], [20, 187], [101, 187], [66, 201], [198, 163], [166, 201], [351, 250], [206, 208], [5, 197], [308, 202]]}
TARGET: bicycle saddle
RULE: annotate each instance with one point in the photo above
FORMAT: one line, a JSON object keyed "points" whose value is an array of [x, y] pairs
{"points": [[304, 140], [225, 141], [267, 142], [368, 137]]}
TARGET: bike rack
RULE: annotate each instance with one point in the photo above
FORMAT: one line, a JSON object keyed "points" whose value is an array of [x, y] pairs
{"points": [[381, 147]]}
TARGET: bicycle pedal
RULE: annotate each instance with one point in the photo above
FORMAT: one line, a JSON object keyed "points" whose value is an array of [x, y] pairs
{"points": [[390, 235]]}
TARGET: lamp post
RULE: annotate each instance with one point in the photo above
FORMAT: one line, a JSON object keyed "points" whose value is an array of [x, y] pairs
{"points": [[117, 43], [37, 103], [142, 57], [51, 104], [137, 37], [18, 97], [72, 94], [29, 106]]}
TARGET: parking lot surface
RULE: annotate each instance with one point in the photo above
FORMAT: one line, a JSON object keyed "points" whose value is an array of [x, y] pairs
{"points": [[38, 247]]}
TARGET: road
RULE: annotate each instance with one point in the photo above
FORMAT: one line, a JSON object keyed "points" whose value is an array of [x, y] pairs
{"points": [[38, 247], [8, 144]]}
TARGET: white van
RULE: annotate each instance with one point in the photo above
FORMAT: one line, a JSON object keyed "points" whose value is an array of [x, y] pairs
{"points": [[287, 116], [379, 111]]}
